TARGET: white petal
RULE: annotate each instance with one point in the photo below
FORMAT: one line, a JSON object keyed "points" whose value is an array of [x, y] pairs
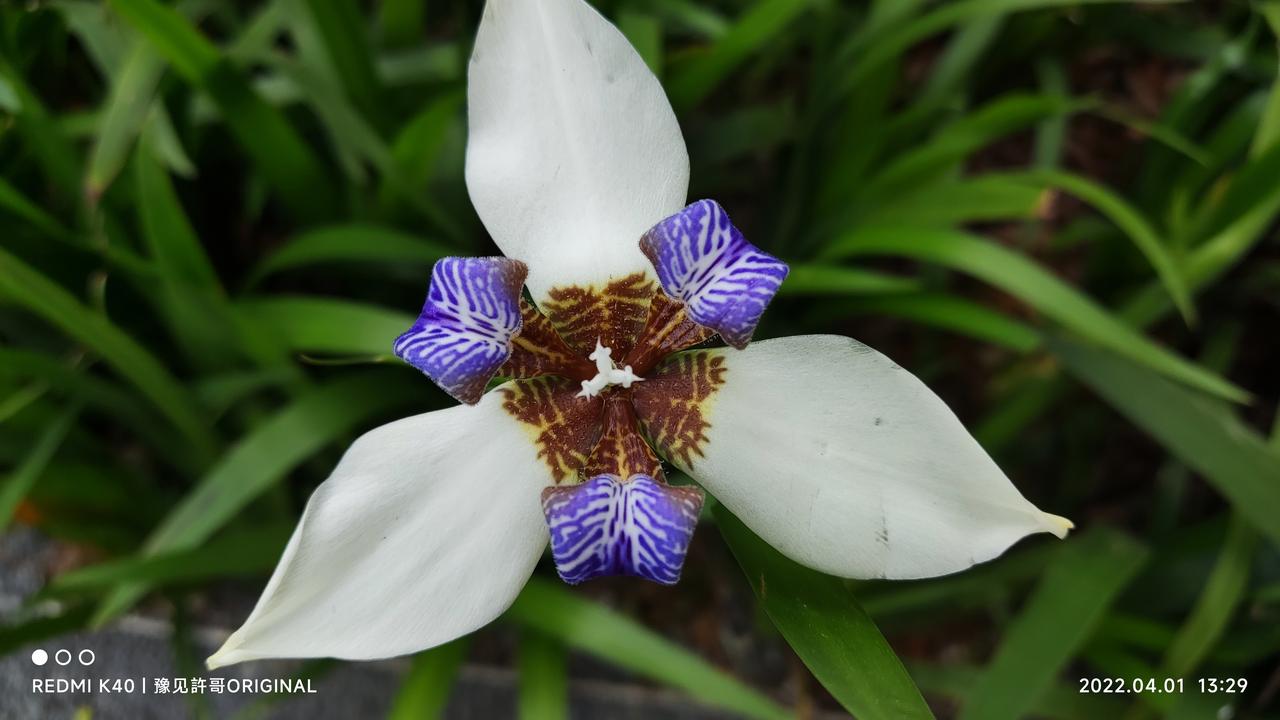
{"points": [[573, 150], [847, 463], [426, 530]]}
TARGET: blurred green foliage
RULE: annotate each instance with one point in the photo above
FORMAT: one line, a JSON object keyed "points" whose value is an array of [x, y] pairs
{"points": [[215, 216]]}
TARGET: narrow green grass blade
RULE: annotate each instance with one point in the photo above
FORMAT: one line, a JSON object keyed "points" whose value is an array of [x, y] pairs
{"points": [[808, 279], [355, 138], [954, 143], [19, 482], [38, 294], [425, 690], [544, 678], [946, 312], [890, 45], [824, 624], [1030, 283], [340, 244], [170, 238], [259, 460], [1202, 433], [1078, 587], [342, 31], [1059, 702], [765, 20], [967, 46], [12, 200], [326, 325], [1131, 221], [97, 394], [1211, 614], [401, 22], [55, 153], [133, 88], [555, 611], [644, 32], [248, 552], [983, 198], [190, 299], [285, 160]]}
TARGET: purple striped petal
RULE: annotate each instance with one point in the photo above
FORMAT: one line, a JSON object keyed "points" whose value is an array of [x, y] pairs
{"points": [[702, 260], [464, 332], [607, 526]]}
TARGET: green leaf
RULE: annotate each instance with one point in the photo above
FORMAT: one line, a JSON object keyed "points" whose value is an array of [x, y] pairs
{"points": [[1202, 433], [425, 690], [325, 325], [342, 31], [41, 136], [169, 235], [252, 551], [983, 198], [1059, 702], [824, 624], [644, 32], [765, 20], [401, 22], [946, 312], [553, 610], [1131, 221], [891, 44], [1213, 611], [1078, 587], [833, 280], [957, 141], [74, 382], [271, 142], [38, 294], [130, 101], [20, 481], [15, 202], [190, 297], [1027, 281], [350, 243], [258, 461], [544, 678]]}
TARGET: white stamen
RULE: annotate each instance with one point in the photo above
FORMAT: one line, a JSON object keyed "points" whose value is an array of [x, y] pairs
{"points": [[606, 374]]}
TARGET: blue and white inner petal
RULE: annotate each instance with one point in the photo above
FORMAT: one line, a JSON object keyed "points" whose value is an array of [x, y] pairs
{"points": [[704, 261], [608, 526], [464, 333]]}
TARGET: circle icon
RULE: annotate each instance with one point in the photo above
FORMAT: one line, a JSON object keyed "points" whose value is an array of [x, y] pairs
{"points": [[92, 657], [39, 656], [58, 657]]}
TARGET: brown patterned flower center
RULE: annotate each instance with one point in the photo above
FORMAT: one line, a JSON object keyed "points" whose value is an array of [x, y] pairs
{"points": [[581, 437]]}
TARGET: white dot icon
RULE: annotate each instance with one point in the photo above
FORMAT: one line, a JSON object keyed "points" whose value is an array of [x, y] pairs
{"points": [[39, 656]]}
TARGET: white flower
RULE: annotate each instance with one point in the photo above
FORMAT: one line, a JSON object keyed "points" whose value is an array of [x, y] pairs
{"points": [[429, 526]]}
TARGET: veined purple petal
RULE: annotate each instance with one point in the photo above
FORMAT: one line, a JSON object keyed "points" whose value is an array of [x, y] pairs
{"points": [[464, 333], [608, 526], [703, 260]]}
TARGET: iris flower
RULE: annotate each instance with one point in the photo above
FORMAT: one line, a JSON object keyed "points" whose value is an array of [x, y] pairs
{"points": [[429, 526]]}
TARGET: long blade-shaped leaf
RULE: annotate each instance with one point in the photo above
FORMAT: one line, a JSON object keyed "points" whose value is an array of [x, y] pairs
{"points": [[19, 482], [273, 144], [1033, 285], [425, 690], [37, 293], [327, 325], [1078, 587], [1203, 434], [827, 628], [558, 613], [351, 243]]}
